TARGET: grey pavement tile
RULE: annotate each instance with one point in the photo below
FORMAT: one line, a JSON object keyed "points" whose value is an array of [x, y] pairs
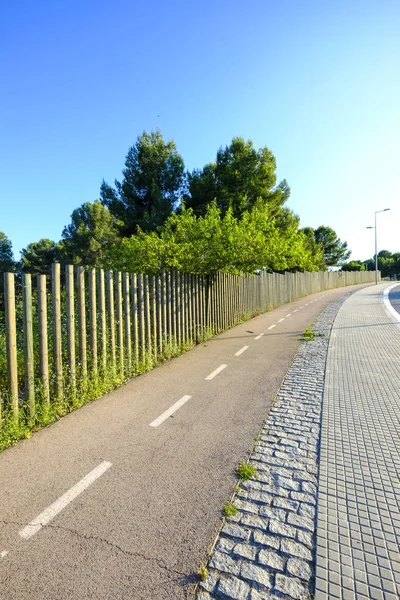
{"points": [[359, 436]]}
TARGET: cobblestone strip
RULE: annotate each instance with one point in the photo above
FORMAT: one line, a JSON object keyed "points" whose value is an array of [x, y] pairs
{"points": [[266, 550]]}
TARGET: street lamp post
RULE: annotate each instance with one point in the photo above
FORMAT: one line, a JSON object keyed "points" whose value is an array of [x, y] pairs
{"points": [[376, 244]]}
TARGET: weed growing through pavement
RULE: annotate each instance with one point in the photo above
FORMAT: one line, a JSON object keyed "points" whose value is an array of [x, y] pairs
{"points": [[203, 573], [229, 510], [308, 335], [245, 471]]}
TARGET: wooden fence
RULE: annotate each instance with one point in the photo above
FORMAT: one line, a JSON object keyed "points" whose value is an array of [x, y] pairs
{"points": [[93, 324]]}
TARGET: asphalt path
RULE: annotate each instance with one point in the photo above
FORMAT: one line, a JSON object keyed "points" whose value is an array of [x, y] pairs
{"points": [[394, 298], [119, 500]]}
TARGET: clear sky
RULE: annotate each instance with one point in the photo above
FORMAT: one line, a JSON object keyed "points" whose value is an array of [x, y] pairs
{"points": [[317, 81]]}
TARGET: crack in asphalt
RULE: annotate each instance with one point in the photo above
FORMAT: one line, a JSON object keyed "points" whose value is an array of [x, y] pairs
{"points": [[129, 553], [109, 543], [5, 523]]}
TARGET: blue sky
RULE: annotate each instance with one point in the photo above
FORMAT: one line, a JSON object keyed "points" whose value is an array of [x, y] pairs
{"points": [[318, 82]]}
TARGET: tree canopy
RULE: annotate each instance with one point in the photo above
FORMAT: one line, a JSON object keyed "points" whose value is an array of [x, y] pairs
{"points": [[152, 185], [388, 263], [7, 263], [38, 257], [228, 216], [240, 176], [90, 236], [316, 250], [353, 265], [335, 251], [216, 242]]}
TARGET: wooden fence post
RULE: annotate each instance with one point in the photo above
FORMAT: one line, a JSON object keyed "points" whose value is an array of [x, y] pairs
{"points": [[111, 317], [159, 295], [70, 308], [102, 320], [172, 300], [168, 306], [134, 308], [11, 341], [57, 351], [93, 319], [120, 320], [43, 342], [142, 333], [29, 394], [127, 322], [147, 320], [80, 284], [153, 316]]}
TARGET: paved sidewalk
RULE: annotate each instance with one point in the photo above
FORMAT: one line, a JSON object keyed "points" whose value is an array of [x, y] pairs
{"points": [[358, 526]]}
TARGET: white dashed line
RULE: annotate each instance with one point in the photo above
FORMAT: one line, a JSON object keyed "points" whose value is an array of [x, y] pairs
{"points": [[301, 307], [259, 336], [4, 553], [272, 326], [214, 373], [296, 310], [170, 411], [239, 352], [280, 320], [289, 315], [51, 511]]}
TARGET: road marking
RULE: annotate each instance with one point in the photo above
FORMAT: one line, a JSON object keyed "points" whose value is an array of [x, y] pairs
{"points": [[4, 553], [239, 352], [289, 315], [170, 411], [215, 373], [51, 511], [296, 310], [301, 307], [387, 302], [259, 336], [272, 326], [280, 320]]}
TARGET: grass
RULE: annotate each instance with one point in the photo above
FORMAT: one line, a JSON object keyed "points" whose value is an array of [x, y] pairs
{"points": [[203, 573], [309, 335], [229, 510], [245, 471], [86, 389]]}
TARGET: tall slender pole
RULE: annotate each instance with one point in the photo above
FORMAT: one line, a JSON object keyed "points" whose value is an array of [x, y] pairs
{"points": [[376, 243], [376, 254]]}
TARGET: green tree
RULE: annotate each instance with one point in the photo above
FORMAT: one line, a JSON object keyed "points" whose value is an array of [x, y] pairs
{"points": [[388, 263], [7, 263], [90, 236], [38, 257], [353, 265], [216, 242], [335, 251], [240, 177], [315, 249], [153, 183]]}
